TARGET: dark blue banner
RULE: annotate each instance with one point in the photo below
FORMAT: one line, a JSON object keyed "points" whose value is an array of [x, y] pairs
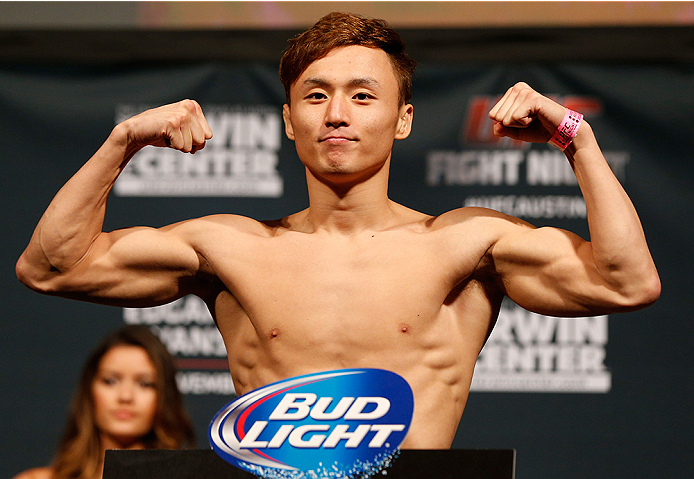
{"points": [[580, 397]]}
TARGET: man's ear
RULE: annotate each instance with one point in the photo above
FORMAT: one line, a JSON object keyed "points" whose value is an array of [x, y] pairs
{"points": [[404, 122], [288, 128]]}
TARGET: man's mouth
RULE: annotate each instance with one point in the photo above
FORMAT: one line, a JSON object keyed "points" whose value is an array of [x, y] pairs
{"points": [[336, 138]]}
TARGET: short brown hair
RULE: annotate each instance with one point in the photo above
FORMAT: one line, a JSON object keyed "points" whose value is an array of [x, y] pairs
{"points": [[345, 29]]}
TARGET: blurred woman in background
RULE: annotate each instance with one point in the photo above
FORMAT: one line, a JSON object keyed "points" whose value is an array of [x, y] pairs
{"points": [[127, 398]]}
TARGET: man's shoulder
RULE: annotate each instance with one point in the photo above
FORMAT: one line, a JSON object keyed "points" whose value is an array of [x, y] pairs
{"points": [[473, 215], [227, 222], [471, 227]]}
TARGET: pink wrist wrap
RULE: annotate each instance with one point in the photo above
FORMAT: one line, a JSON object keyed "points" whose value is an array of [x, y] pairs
{"points": [[567, 130]]}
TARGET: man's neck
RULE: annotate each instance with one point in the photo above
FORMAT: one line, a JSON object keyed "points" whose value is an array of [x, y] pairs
{"points": [[349, 207]]}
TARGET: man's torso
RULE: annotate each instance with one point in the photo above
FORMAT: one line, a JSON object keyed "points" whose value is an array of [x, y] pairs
{"points": [[409, 299]]}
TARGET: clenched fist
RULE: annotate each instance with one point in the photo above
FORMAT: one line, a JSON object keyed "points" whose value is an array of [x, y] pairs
{"points": [[524, 114], [181, 126]]}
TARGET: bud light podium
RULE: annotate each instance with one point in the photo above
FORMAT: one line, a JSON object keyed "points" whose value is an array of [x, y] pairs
{"points": [[411, 464]]}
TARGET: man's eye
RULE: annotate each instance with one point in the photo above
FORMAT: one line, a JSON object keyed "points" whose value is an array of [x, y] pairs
{"points": [[362, 96], [316, 96]]}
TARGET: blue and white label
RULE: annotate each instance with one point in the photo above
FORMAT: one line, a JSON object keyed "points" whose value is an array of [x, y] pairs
{"points": [[339, 424]]}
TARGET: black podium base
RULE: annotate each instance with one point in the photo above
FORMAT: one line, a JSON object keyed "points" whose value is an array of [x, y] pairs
{"points": [[411, 464]]}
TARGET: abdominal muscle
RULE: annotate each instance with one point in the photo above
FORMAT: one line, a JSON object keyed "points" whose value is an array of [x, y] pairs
{"points": [[435, 354]]}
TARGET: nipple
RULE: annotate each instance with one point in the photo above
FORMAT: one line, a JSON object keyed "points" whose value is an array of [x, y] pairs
{"points": [[404, 328], [274, 332]]}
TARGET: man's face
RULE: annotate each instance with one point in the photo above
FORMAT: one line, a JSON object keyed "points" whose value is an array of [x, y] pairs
{"points": [[344, 113]]}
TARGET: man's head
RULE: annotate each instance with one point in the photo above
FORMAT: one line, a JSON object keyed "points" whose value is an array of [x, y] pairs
{"points": [[341, 30]]}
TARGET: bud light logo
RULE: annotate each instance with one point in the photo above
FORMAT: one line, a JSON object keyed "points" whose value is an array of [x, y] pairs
{"points": [[338, 424]]}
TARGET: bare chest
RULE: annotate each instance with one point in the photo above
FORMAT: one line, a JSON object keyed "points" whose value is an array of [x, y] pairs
{"points": [[330, 278], [300, 303], [323, 282]]}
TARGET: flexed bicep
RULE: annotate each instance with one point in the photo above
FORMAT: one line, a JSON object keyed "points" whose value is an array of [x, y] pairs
{"points": [[70, 255], [552, 271], [138, 266], [549, 269]]}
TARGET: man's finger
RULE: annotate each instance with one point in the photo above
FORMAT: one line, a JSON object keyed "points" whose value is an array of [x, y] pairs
{"points": [[494, 112], [187, 137], [203, 121]]}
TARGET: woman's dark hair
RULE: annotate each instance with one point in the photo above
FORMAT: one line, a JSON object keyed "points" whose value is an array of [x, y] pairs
{"points": [[79, 452]]}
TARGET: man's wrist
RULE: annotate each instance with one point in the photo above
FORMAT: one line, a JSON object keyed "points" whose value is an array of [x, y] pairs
{"points": [[584, 138], [567, 129], [120, 139]]}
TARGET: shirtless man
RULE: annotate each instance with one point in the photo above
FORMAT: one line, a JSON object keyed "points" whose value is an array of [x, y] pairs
{"points": [[355, 280]]}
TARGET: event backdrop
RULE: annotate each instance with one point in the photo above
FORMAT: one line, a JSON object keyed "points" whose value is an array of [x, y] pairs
{"points": [[603, 397]]}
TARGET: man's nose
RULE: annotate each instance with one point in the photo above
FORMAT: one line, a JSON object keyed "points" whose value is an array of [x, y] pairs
{"points": [[337, 113]]}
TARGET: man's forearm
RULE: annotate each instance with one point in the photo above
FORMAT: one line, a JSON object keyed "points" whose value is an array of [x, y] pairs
{"points": [[75, 216], [618, 242]]}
